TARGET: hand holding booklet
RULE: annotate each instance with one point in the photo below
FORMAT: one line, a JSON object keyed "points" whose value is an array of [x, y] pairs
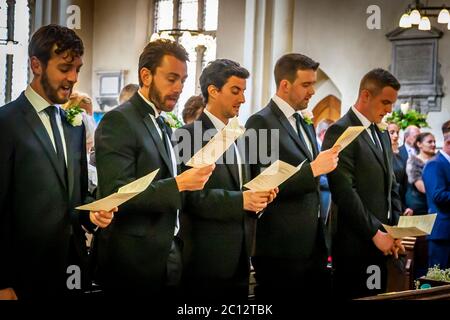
{"points": [[273, 176], [412, 226], [124, 194], [217, 146]]}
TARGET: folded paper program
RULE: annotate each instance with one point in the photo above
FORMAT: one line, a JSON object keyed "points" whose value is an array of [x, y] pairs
{"points": [[412, 226], [217, 146], [124, 194], [273, 176]]}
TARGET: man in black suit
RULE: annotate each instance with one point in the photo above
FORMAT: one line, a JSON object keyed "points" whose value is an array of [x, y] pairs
{"points": [[43, 176], [291, 255], [216, 225], [411, 133], [141, 251], [363, 187]]}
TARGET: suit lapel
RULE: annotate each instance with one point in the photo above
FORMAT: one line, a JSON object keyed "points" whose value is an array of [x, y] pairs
{"points": [[378, 154], [145, 111], [42, 136], [67, 128], [287, 126]]}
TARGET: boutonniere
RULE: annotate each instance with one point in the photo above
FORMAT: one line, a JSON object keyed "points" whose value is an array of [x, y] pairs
{"points": [[382, 126], [307, 116], [172, 120], [75, 116]]}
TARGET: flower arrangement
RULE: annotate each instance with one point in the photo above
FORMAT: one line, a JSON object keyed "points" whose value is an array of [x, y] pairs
{"points": [[438, 274], [406, 117], [307, 116], [172, 120], [74, 116]]}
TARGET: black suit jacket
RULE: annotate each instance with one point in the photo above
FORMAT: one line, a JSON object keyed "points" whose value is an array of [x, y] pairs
{"points": [[133, 250], [37, 216], [215, 227], [289, 226], [364, 188]]}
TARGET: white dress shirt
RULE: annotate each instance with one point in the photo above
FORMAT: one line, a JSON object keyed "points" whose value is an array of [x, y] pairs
{"points": [[366, 123], [219, 125], [288, 111], [40, 104]]}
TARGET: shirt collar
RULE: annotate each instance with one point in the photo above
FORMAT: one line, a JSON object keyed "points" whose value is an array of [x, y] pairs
{"points": [[446, 156], [157, 113], [218, 124], [38, 102], [365, 122], [285, 107]]}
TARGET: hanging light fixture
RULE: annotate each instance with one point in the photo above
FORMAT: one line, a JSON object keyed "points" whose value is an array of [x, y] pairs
{"points": [[405, 21], [419, 14], [414, 17], [425, 24], [444, 16]]}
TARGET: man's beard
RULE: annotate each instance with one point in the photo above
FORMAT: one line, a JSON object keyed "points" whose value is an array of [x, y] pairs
{"points": [[50, 92], [155, 97]]}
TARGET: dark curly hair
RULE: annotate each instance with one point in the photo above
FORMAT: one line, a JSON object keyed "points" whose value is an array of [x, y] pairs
{"points": [[43, 40]]}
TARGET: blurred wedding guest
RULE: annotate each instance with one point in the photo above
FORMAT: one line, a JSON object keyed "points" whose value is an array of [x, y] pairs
{"points": [[446, 127], [127, 92], [436, 177], [415, 197], [325, 194], [83, 101], [193, 108], [397, 165], [411, 133], [43, 177]]}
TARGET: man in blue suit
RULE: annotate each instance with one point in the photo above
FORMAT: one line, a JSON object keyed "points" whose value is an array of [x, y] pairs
{"points": [[436, 176]]}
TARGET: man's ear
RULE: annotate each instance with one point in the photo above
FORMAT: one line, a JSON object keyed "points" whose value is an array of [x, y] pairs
{"points": [[36, 66], [284, 85], [146, 77], [365, 95], [212, 91]]}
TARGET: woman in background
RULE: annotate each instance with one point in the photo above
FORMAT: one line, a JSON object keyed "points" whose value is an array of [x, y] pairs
{"points": [[425, 146]]}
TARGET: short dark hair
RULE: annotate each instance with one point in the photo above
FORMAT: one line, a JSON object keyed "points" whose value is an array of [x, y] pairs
{"points": [[446, 127], [43, 40], [375, 80], [217, 73], [192, 105], [288, 65], [155, 51]]}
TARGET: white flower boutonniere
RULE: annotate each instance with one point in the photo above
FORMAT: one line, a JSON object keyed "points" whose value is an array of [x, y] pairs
{"points": [[172, 120], [307, 116], [74, 116]]}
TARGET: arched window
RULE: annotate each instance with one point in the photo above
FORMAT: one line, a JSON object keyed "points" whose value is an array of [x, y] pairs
{"points": [[193, 23], [14, 57]]}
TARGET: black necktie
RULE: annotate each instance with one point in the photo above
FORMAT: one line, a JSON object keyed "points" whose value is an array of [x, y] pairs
{"points": [[300, 122], [375, 136], [165, 130], [51, 111]]}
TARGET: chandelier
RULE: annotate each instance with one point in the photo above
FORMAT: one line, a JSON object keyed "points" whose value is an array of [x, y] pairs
{"points": [[418, 14]]}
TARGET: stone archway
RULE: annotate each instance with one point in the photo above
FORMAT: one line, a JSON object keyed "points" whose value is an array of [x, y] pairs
{"points": [[328, 108]]}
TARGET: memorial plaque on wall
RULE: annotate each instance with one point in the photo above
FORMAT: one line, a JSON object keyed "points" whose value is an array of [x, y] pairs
{"points": [[415, 64]]}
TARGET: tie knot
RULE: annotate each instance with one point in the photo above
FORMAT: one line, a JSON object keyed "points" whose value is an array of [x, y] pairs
{"points": [[160, 121], [50, 110], [297, 116]]}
